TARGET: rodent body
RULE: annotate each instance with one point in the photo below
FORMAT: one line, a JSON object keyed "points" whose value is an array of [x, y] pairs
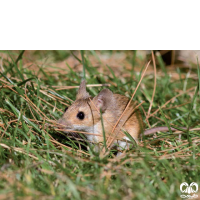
{"points": [[84, 115]]}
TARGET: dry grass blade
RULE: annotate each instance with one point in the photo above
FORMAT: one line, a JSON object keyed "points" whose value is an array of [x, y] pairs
{"points": [[111, 141], [20, 150], [154, 88], [39, 162], [73, 87], [193, 88]]}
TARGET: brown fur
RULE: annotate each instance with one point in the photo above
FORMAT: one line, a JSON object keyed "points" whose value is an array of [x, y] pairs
{"points": [[111, 105]]}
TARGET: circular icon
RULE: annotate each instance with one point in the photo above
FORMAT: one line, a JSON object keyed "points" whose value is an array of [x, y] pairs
{"points": [[192, 188]]}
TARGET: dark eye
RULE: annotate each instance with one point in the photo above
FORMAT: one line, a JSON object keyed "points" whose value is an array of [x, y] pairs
{"points": [[81, 115], [66, 109]]}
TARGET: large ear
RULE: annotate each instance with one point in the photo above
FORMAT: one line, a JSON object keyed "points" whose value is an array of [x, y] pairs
{"points": [[104, 99], [82, 93]]}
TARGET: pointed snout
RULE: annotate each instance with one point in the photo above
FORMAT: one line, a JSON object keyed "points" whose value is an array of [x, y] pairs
{"points": [[61, 124]]}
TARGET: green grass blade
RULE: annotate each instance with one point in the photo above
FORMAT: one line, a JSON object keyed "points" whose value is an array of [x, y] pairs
{"points": [[198, 70], [130, 138], [161, 62], [20, 91], [17, 113], [104, 134], [15, 65], [23, 82], [166, 121]]}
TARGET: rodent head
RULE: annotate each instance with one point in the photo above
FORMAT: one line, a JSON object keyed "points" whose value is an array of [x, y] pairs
{"points": [[83, 114]]}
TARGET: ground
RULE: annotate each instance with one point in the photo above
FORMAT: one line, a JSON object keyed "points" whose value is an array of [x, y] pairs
{"points": [[39, 162]]}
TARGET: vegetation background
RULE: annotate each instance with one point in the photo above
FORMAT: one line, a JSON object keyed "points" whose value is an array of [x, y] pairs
{"points": [[39, 162]]}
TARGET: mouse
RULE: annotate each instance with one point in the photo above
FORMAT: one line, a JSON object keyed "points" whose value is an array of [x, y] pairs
{"points": [[87, 113]]}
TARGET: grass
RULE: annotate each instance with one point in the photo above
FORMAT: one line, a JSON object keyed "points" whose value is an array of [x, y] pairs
{"points": [[38, 162]]}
